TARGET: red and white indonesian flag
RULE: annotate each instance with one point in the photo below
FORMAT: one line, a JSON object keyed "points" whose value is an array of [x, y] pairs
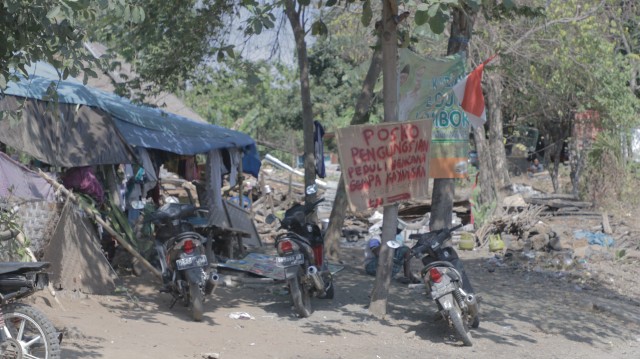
{"points": [[469, 93]]}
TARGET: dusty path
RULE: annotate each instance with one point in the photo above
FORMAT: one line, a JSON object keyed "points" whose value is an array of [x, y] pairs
{"points": [[524, 315]]}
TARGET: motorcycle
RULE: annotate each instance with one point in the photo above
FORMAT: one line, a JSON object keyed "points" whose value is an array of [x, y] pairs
{"points": [[446, 281], [184, 256], [301, 255], [25, 332]]}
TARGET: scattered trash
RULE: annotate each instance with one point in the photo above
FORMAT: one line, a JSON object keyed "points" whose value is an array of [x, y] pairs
{"points": [[376, 217], [495, 243], [211, 355], [600, 239], [495, 261], [241, 316]]}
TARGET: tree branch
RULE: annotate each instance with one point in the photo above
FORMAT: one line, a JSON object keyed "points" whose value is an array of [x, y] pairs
{"points": [[553, 22]]}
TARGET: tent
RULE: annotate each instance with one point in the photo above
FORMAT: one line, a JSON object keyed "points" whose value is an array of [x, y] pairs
{"points": [[68, 124], [94, 127]]}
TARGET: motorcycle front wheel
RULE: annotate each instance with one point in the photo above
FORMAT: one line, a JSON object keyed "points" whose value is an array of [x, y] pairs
{"points": [[196, 301], [459, 324], [300, 296], [29, 334]]}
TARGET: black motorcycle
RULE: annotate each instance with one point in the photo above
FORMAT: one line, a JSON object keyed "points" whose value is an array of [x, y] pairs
{"points": [[184, 257], [447, 281], [301, 256], [25, 332]]}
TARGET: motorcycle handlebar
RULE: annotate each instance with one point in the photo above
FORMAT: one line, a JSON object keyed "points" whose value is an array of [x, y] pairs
{"points": [[434, 233], [314, 204], [440, 234]]}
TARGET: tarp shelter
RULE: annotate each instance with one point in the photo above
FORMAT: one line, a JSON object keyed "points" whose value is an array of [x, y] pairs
{"points": [[19, 182], [96, 127], [65, 123]]}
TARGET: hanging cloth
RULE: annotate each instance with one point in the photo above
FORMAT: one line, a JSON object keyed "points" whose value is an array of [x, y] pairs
{"points": [[318, 133], [217, 214], [236, 157]]}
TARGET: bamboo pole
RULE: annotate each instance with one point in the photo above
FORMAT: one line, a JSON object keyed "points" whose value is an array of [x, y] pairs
{"points": [[59, 187]]}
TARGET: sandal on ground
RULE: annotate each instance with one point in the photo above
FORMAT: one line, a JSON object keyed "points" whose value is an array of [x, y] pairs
{"points": [[406, 280]]}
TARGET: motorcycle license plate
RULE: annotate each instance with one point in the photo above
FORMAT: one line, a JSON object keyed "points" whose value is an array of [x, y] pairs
{"points": [[292, 260], [439, 291], [191, 262]]}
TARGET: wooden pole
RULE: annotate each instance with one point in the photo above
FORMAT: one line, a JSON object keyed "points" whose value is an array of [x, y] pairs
{"points": [[58, 187], [380, 292]]}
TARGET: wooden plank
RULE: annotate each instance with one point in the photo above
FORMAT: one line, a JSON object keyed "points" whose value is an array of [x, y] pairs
{"points": [[577, 214], [549, 196], [558, 203], [606, 227]]}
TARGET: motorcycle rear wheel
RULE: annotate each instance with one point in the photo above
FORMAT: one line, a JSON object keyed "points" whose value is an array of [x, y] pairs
{"points": [[460, 325], [300, 296], [25, 323], [196, 301]]}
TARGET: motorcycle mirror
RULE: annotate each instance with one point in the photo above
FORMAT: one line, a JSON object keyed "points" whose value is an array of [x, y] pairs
{"points": [[313, 189], [270, 219]]}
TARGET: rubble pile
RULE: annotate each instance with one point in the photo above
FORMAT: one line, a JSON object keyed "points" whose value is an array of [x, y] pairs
{"points": [[557, 232]]}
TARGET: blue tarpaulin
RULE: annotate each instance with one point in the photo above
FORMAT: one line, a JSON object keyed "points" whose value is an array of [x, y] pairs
{"points": [[138, 125]]}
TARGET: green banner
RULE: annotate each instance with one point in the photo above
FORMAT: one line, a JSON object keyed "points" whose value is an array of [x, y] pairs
{"points": [[425, 93]]}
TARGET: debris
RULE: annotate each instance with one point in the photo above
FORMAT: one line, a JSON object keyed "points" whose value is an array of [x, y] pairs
{"points": [[241, 316], [600, 239], [514, 201]]}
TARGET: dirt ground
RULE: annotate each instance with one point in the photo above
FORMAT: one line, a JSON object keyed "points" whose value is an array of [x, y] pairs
{"points": [[530, 308], [526, 312]]}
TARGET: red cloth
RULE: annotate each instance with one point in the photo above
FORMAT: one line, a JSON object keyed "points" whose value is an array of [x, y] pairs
{"points": [[84, 180]]}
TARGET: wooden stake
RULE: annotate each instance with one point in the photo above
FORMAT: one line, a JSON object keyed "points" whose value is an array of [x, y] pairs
{"points": [[606, 227]]}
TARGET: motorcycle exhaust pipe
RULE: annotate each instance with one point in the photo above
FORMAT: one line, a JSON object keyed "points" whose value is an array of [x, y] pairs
{"points": [[472, 304], [212, 283], [312, 272]]}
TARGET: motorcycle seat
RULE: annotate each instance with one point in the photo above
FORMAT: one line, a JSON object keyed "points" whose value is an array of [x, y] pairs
{"points": [[22, 267], [172, 211]]}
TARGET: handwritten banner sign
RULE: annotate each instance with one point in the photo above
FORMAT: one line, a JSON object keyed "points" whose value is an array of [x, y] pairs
{"points": [[385, 163]]}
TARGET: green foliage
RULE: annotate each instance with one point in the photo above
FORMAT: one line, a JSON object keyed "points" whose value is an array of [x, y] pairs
{"points": [[263, 99], [52, 31], [579, 71], [481, 210], [261, 18], [620, 253], [172, 39], [12, 250]]}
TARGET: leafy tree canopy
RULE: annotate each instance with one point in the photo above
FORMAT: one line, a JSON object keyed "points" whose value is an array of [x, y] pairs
{"points": [[171, 40], [52, 31]]}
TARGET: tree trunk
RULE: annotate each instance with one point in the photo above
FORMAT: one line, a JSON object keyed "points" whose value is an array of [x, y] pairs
{"points": [[487, 170], [555, 139], [496, 135], [380, 293], [338, 212], [305, 96], [444, 188], [557, 150]]}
